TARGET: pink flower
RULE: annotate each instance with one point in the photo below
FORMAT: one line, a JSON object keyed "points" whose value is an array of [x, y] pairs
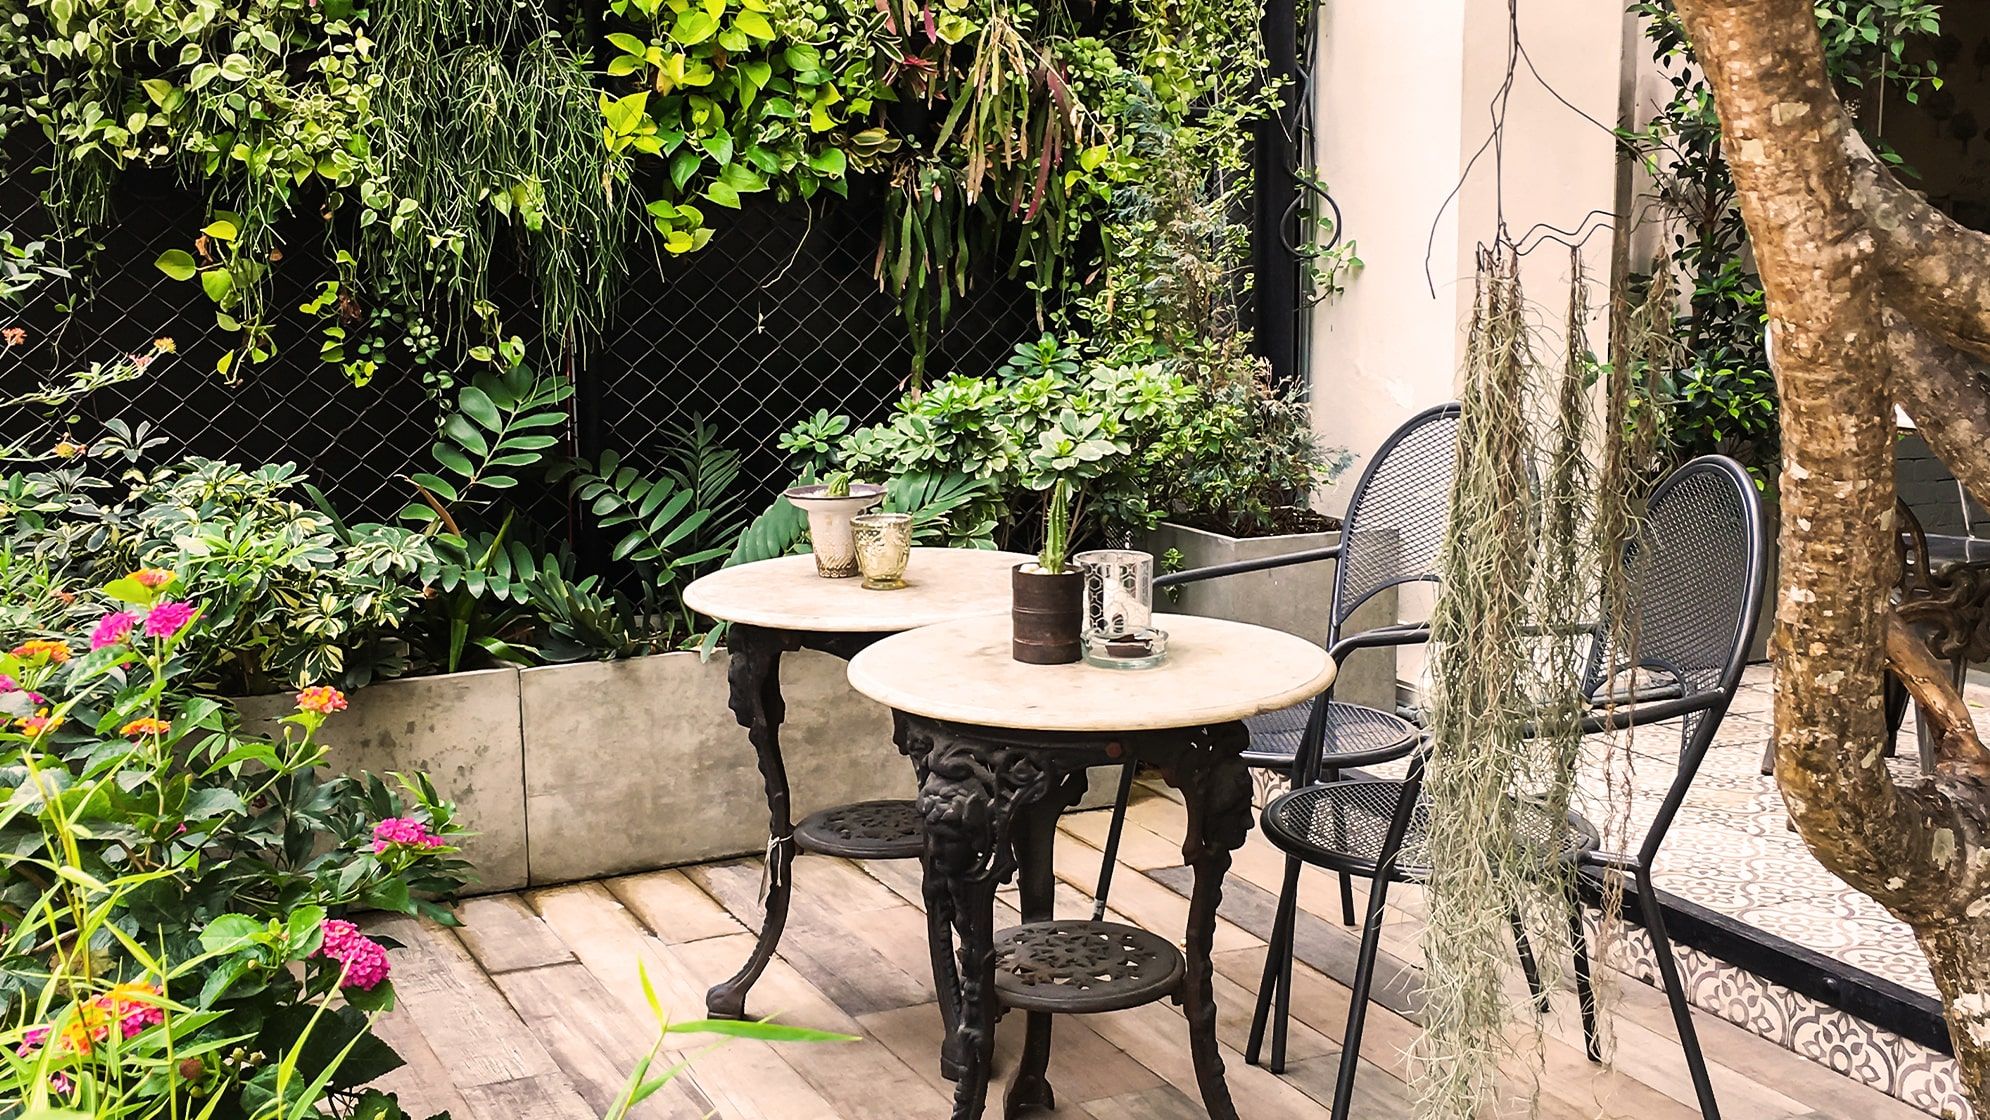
{"points": [[133, 1006], [113, 628], [364, 960], [167, 619], [32, 1041], [9, 684], [321, 698], [61, 1084], [405, 831]]}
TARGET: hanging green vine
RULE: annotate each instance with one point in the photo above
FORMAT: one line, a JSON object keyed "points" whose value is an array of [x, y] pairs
{"points": [[441, 142]]}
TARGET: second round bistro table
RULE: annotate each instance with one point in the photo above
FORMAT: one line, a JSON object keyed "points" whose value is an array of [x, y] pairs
{"points": [[779, 605], [1001, 749]]}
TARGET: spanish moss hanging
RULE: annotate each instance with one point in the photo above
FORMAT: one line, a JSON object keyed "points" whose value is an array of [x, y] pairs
{"points": [[1524, 588]]}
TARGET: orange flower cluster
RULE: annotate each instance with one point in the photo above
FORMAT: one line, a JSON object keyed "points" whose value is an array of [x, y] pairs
{"points": [[41, 723], [42, 649], [321, 698], [140, 728], [153, 578]]}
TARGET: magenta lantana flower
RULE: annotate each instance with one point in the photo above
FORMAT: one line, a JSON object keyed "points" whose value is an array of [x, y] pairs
{"points": [[167, 619], [403, 831], [9, 684], [113, 628], [364, 960]]}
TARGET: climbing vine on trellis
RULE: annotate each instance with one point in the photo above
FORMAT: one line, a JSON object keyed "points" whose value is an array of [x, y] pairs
{"points": [[436, 137]]}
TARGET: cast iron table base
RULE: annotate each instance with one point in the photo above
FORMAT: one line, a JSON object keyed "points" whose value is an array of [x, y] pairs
{"points": [[867, 830], [990, 799]]}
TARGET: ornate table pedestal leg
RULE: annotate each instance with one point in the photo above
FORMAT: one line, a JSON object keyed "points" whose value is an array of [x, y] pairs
{"points": [[1217, 791], [1035, 838], [971, 792], [754, 677], [990, 800]]}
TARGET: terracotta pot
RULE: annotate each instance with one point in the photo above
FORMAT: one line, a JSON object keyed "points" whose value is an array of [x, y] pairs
{"points": [[829, 532], [1047, 613]]}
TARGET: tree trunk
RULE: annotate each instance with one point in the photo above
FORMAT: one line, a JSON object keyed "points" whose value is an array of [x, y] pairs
{"points": [[1789, 142]]}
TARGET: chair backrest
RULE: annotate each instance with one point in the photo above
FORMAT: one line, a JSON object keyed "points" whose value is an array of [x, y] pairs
{"points": [[1401, 507], [1696, 570]]}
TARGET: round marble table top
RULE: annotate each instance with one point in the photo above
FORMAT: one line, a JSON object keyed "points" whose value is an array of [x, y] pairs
{"points": [[941, 584], [1216, 670]]}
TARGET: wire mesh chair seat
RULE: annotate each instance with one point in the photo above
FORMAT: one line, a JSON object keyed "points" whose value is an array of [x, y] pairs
{"points": [[1355, 736], [1344, 826]]}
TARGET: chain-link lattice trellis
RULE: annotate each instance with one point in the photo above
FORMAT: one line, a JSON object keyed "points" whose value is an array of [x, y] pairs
{"points": [[778, 317]]}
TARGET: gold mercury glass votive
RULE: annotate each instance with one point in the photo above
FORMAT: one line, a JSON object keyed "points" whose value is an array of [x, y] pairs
{"points": [[884, 546]]}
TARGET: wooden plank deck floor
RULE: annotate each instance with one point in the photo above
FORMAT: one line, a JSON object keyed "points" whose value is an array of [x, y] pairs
{"points": [[533, 1008]]}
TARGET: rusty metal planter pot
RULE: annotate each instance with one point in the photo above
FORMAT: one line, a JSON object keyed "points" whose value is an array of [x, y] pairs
{"points": [[1047, 613]]}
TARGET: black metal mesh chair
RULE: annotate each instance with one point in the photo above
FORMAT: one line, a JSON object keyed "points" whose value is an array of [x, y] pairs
{"points": [[1696, 571], [1394, 527]]}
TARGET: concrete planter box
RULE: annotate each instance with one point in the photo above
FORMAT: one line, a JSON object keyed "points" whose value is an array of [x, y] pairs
{"points": [[578, 771], [573, 772], [1296, 600], [462, 728]]}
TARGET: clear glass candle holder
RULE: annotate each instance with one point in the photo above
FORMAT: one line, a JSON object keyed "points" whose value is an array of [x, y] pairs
{"points": [[884, 547], [1118, 630]]}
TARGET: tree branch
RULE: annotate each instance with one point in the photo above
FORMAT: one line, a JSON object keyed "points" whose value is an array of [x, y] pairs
{"points": [[1948, 395], [1936, 270], [1959, 751]]}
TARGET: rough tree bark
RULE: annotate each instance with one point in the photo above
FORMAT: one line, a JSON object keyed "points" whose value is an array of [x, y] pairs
{"points": [[1845, 251]]}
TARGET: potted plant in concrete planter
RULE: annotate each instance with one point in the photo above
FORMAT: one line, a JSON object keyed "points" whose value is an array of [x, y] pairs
{"points": [[1049, 595], [1237, 486], [830, 505]]}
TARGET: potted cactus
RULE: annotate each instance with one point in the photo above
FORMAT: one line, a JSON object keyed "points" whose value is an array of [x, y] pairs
{"points": [[1048, 596], [830, 505]]}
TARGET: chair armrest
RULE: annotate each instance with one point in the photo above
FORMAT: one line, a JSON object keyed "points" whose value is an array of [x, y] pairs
{"points": [[1657, 712], [1243, 567], [1379, 638]]}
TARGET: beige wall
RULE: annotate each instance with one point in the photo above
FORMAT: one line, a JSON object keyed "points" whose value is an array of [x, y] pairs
{"points": [[1402, 104], [1403, 92]]}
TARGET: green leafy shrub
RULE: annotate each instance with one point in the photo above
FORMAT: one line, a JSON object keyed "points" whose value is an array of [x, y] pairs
{"points": [[173, 885], [289, 598], [1233, 455]]}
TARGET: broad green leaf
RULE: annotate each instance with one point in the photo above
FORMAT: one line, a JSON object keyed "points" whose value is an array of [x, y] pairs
{"points": [[229, 931], [478, 406], [693, 28], [177, 263]]}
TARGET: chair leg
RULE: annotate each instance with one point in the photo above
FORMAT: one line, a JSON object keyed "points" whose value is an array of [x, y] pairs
{"points": [[1274, 1006], [1675, 994], [1529, 966], [1357, 1008], [1118, 828], [1585, 986]]}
